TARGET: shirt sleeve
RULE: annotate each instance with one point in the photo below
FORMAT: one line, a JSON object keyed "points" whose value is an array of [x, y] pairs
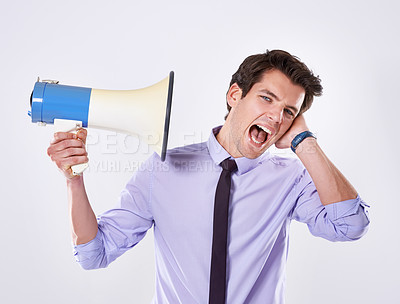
{"points": [[342, 221], [122, 227]]}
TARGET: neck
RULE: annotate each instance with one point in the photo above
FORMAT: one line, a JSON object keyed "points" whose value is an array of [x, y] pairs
{"points": [[223, 138]]}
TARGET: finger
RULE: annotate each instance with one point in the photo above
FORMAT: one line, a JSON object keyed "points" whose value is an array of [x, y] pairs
{"points": [[69, 152], [63, 145], [75, 160], [66, 163], [59, 136], [67, 143], [68, 173], [300, 121]]}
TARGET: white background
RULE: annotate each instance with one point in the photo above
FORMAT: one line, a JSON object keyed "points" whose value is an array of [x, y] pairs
{"points": [[353, 46]]}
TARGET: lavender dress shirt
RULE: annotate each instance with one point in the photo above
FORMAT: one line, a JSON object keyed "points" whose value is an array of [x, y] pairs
{"points": [[176, 197]]}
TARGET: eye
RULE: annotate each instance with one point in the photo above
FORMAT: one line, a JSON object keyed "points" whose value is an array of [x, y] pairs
{"points": [[266, 98], [289, 112]]}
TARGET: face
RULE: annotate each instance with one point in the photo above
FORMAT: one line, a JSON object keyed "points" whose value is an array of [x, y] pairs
{"points": [[258, 120]]}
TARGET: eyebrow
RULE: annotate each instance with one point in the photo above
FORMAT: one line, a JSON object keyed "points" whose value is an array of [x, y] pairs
{"points": [[277, 98], [271, 94]]}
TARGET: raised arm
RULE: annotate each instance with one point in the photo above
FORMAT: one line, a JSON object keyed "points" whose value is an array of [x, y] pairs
{"points": [[331, 185], [67, 149]]}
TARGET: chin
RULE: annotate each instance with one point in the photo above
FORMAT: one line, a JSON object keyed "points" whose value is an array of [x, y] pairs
{"points": [[254, 154], [251, 153]]}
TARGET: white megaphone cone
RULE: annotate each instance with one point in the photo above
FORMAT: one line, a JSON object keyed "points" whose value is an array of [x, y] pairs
{"points": [[143, 112]]}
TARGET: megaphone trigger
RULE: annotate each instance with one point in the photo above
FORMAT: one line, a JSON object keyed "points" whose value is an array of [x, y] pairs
{"points": [[71, 126], [66, 125]]}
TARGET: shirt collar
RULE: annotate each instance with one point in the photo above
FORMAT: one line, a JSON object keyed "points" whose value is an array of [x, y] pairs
{"points": [[218, 154]]}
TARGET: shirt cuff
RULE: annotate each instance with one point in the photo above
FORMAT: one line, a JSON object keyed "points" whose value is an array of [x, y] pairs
{"points": [[344, 208], [85, 251]]}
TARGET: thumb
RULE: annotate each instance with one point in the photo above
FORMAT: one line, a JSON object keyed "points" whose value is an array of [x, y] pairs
{"points": [[82, 135]]}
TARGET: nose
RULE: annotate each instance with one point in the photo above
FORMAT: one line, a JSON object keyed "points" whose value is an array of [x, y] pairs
{"points": [[275, 114]]}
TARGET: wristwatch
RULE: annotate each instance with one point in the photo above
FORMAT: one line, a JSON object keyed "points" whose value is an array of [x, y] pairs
{"points": [[299, 138]]}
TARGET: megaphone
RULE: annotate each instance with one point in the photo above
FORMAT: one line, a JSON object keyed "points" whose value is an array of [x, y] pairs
{"points": [[143, 112]]}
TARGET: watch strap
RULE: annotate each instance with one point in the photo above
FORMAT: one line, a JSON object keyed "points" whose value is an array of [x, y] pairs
{"points": [[299, 138]]}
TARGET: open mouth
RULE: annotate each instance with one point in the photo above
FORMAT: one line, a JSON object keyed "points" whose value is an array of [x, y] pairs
{"points": [[259, 134]]}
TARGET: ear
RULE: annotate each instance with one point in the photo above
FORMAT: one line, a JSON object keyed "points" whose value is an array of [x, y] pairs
{"points": [[234, 95]]}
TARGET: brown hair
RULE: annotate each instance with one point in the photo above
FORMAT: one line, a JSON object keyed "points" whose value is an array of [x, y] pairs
{"points": [[254, 66]]}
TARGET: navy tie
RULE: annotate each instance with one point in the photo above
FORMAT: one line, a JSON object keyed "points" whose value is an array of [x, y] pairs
{"points": [[217, 293]]}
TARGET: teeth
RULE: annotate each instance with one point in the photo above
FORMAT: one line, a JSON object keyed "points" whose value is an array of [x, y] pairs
{"points": [[255, 140], [265, 129]]}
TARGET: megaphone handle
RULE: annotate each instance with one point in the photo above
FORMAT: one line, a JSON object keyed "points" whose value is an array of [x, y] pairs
{"points": [[66, 125]]}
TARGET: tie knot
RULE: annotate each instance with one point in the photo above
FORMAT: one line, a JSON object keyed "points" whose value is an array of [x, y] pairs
{"points": [[229, 165]]}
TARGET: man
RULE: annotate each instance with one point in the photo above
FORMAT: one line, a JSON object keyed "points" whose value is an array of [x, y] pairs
{"points": [[266, 98]]}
